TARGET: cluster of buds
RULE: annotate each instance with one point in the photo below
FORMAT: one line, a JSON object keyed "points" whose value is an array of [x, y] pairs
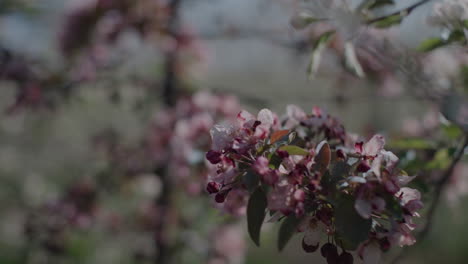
{"points": [[49, 224], [306, 171]]}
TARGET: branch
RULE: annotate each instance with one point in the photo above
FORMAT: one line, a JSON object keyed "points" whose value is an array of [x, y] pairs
{"points": [[440, 185], [170, 86], [406, 11]]}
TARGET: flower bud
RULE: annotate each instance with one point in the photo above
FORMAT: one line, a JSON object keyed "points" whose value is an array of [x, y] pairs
{"points": [[328, 249], [214, 157], [309, 248], [220, 197], [345, 258], [363, 166], [212, 187]]}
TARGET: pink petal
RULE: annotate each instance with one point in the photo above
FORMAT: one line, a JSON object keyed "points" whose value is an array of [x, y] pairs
{"points": [[261, 165], [221, 136], [294, 112], [408, 194], [374, 145], [244, 117]]}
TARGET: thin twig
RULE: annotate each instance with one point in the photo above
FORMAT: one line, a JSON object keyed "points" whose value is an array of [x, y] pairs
{"points": [[406, 11], [440, 185]]}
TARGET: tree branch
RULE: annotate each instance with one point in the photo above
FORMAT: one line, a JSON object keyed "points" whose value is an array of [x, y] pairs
{"points": [[406, 10], [170, 93]]}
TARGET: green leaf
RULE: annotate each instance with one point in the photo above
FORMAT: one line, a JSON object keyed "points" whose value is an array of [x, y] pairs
{"points": [[275, 161], [389, 21], [431, 44], [410, 143], [294, 150], [464, 78], [316, 54], [440, 161], [351, 228], [256, 214], [251, 180], [372, 4], [351, 60], [303, 19], [287, 230], [380, 3], [455, 108], [456, 36], [452, 131], [393, 206]]}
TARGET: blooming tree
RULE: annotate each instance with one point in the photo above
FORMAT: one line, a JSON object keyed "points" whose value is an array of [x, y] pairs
{"points": [[345, 195]]}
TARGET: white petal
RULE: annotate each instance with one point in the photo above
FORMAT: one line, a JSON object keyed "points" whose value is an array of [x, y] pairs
{"points": [[371, 254], [363, 207], [356, 179], [389, 158], [402, 180], [312, 236], [375, 167], [221, 136], [295, 112], [266, 117]]}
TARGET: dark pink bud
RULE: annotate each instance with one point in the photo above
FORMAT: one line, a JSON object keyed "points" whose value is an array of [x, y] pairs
{"points": [[255, 125], [282, 154], [358, 147], [309, 248], [328, 249], [345, 258], [333, 258], [212, 187], [384, 244], [299, 195], [363, 167], [316, 111], [340, 154], [214, 157], [220, 197]]}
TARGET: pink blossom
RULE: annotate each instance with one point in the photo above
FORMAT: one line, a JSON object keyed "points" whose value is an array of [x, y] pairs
{"points": [[261, 165]]}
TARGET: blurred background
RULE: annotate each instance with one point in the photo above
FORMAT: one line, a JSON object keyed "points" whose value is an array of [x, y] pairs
{"points": [[83, 81]]}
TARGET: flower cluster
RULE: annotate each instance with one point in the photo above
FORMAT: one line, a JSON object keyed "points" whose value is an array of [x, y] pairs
{"points": [[449, 13], [306, 170], [179, 136], [50, 223]]}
